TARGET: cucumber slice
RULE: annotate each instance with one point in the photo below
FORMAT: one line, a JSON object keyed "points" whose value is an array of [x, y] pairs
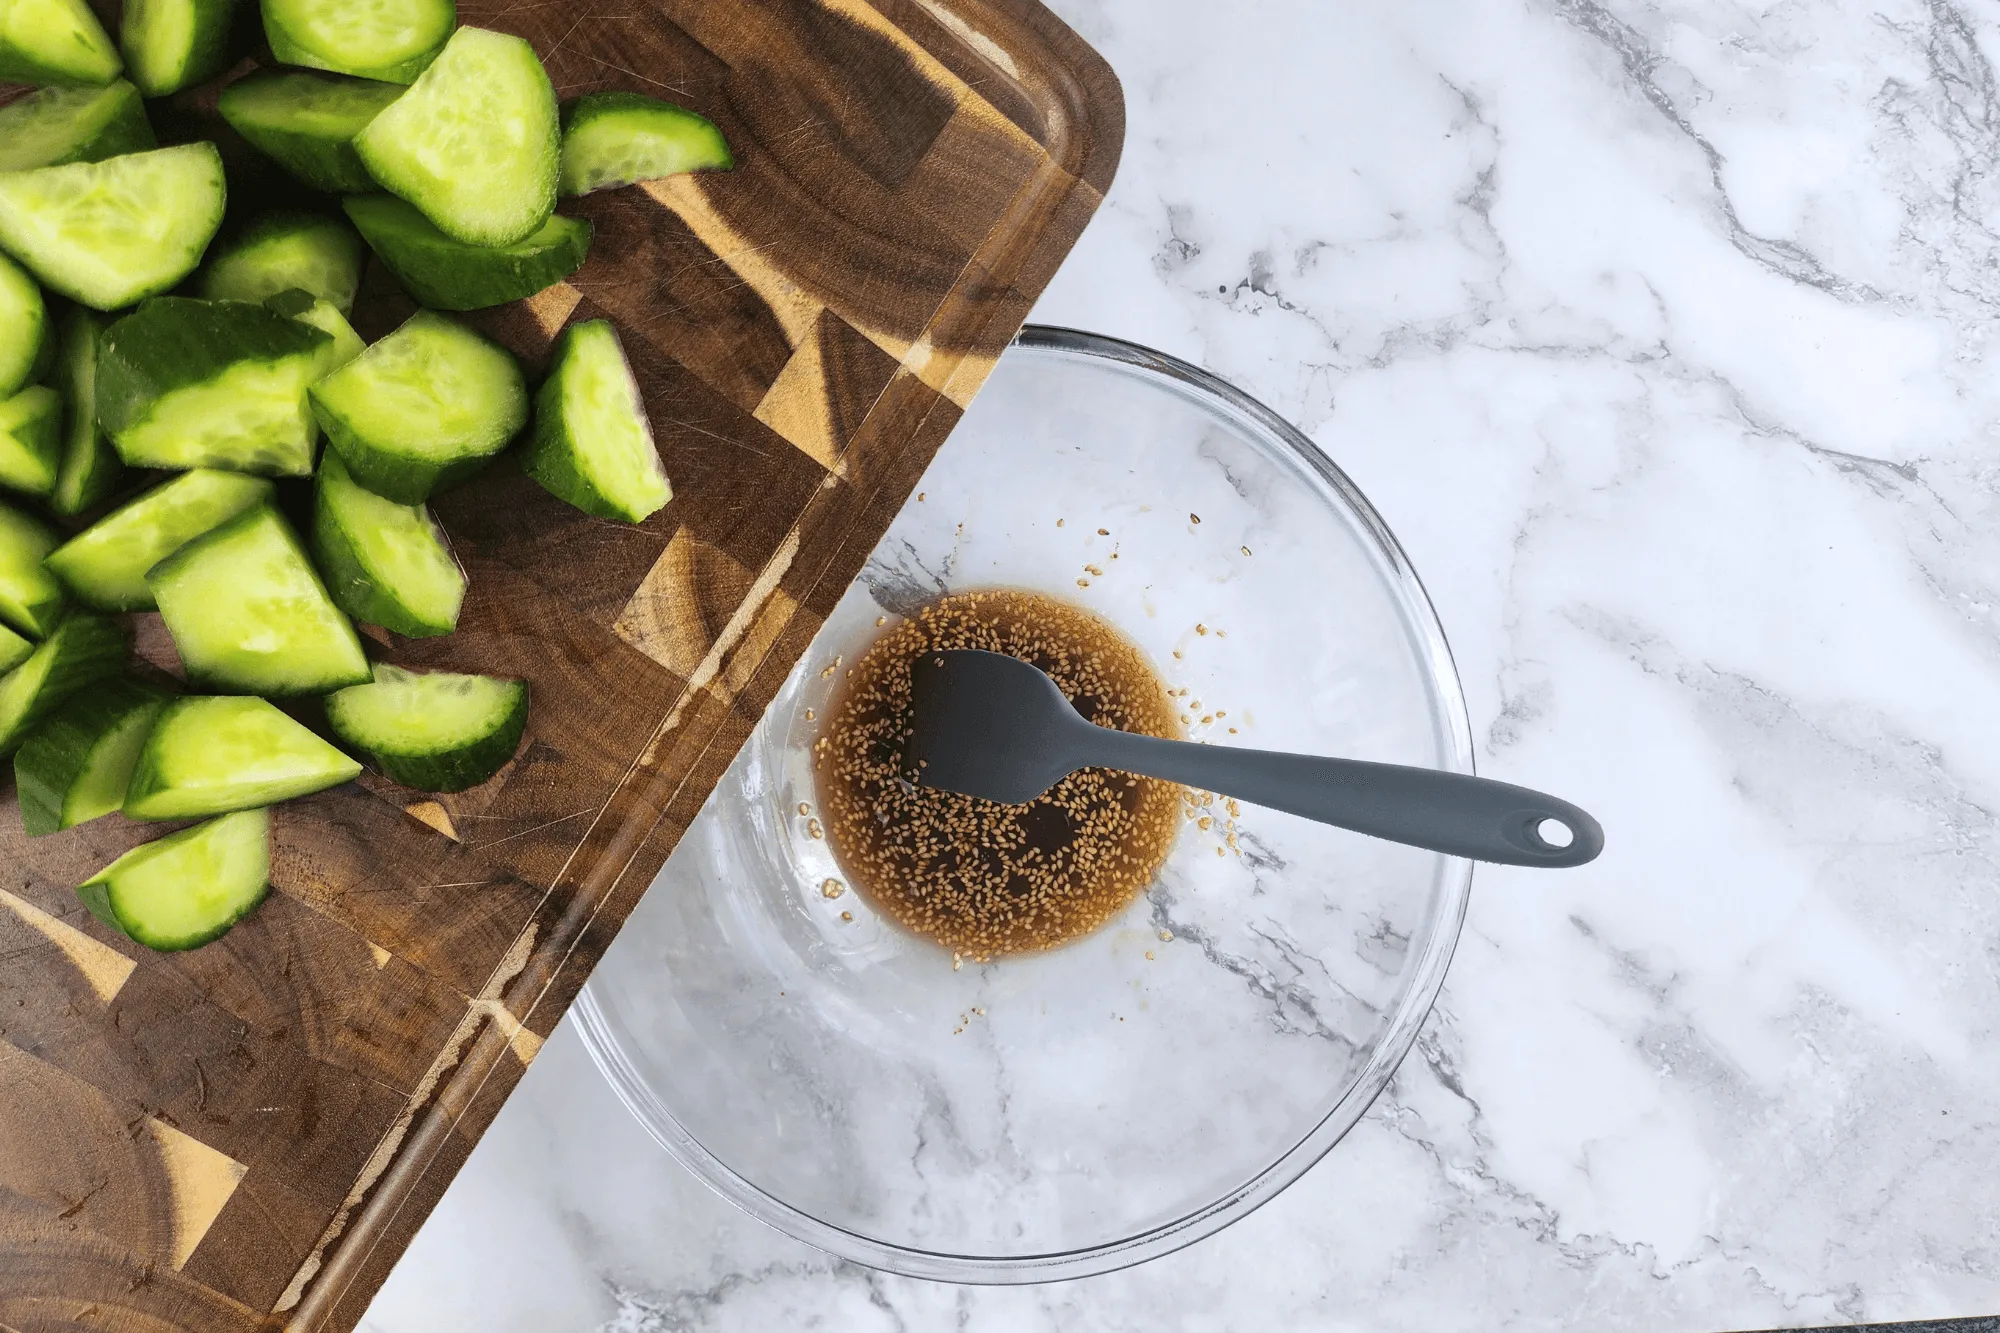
{"points": [[450, 275], [613, 139], [437, 732], [184, 384], [77, 764], [54, 41], [474, 143], [393, 40], [287, 251], [30, 598], [188, 888], [425, 407], [58, 125], [82, 651], [316, 311], [106, 564], [593, 445], [24, 319], [248, 613], [31, 441], [210, 756], [90, 468], [14, 650], [385, 563], [174, 44], [307, 123], [109, 233]]}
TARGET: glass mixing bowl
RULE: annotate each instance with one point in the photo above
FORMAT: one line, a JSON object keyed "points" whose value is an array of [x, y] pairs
{"points": [[1066, 1113]]}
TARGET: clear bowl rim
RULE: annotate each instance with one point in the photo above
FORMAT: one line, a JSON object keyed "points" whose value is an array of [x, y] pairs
{"points": [[1454, 883]]}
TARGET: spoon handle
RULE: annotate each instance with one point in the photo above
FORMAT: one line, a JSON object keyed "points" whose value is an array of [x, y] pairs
{"points": [[1444, 812]]}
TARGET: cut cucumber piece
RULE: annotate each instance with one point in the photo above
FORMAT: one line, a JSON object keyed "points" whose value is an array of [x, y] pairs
{"points": [[248, 614], [450, 275], [30, 598], [58, 125], [24, 320], [437, 732], [613, 139], [393, 40], [210, 756], [109, 233], [82, 651], [90, 468], [316, 311], [307, 124], [106, 564], [593, 445], [474, 144], [77, 764], [425, 407], [184, 384], [287, 251], [54, 41], [385, 563], [188, 888], [14, 650], [31, 441], [174, 44]]}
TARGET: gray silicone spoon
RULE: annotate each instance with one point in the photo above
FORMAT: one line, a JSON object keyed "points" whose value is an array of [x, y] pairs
{"points": [[994, 726]]}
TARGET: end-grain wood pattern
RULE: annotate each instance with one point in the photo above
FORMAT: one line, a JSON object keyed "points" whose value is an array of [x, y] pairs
{"points": [[246, 1136]]}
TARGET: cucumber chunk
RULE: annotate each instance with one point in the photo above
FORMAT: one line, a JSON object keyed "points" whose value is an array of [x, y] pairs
{"points": [[77, 764], [54, 41], [613, 139], [30, 598], [14, 650], [423, 408], [174, 44], [450, 275], [106, 564], [393, 40], [188, 888], [184, 384], [318, 312], [211, 756], [24, 319], [593, 445], [81, 651], [31, 441], [91, 468], [109, 233], [474, 143], [437, 732], [59, 125], [287, 251], [385, 563], [248, 613], [307, 124]]}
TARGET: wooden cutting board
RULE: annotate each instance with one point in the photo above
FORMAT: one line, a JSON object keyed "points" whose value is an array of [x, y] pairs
{"points": [[248, 1135]]}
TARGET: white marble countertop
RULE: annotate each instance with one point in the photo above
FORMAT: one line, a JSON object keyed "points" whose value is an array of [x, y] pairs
{"points": [[1661, 333]]}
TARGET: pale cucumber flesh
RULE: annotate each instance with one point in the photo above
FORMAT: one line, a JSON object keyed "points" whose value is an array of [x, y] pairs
{"points": [[189, 887], [106, 564], [209, 756]]}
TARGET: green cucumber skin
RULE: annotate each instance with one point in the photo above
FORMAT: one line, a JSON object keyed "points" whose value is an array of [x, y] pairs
{"points": [[96, 892], [393, 476], [153, 793], [91, 468], [174, 342], [163, 73], [31, 599], [101, 122], [31, 441], [24, 334], [353, 585], [553, 451], [79, 563], [458, 770], [320, 155], [14, 650], [82, 651], [293, 48], [55, 755], [445, 274], [253, 267], [702, 141], [94, 61]]}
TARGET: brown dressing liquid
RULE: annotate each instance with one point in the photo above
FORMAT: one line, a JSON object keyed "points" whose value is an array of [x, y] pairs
{"points": [[983, 879]]}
